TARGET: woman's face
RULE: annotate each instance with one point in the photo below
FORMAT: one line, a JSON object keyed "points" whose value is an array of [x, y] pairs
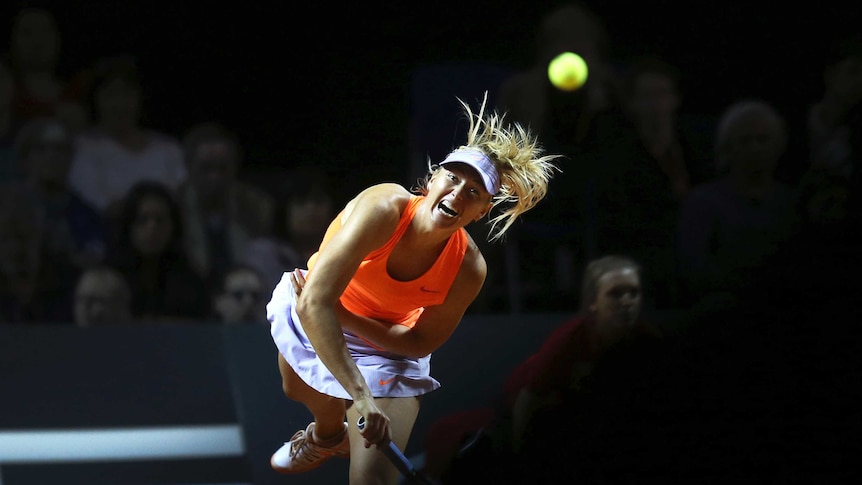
{"points": [[240, 302], [459, 195], [153, 228], [618, 299]]}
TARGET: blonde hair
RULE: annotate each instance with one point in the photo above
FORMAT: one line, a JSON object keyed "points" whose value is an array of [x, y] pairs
{"points": [[525, 170]]}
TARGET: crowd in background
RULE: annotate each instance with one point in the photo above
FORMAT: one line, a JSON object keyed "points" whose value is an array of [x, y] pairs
{"points": [[744, 227], [107, 220], [745, 219], [704, 203]]}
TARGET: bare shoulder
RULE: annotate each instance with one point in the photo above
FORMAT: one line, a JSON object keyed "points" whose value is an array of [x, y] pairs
{"points": [[473, 268], [380, 201]]}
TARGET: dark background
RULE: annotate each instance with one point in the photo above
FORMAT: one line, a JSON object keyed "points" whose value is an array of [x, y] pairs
{"points": [[327, 83], [330, 84]]}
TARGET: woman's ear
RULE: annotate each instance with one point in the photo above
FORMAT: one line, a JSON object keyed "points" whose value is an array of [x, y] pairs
{"points": [[483, 213]]}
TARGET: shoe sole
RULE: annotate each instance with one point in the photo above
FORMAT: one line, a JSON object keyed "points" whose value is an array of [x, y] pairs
{"points": [[286, 471]]}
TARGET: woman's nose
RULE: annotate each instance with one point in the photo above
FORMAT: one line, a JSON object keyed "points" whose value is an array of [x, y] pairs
{"points": [[458, 190]]}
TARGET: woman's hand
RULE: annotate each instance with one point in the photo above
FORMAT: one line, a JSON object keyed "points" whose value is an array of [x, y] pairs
{"points": [[375, 428], [297, 279]]}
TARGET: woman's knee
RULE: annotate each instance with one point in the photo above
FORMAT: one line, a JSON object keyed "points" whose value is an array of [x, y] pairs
{"points": [[298, 390], [369, 466], [290, 382]]}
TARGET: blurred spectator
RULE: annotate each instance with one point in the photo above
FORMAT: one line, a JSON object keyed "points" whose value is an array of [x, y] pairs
{"points": [[36, 285], [306, 205], [221, 214], [540, 429], [835, 120], [795, 372], [75, 229], [35, 49], [828, 202], [557, 240], [729, 226], [119, 150], [530, 98], [817, 268], [646, 174], [149, 252], [9, 169], [102, 297], [241, 297]]}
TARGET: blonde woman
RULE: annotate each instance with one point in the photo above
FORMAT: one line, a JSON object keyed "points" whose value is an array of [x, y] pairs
{"points": [[393, 277]]}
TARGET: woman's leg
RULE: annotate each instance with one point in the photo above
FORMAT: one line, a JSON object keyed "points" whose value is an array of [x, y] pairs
{"points": [[369, 465], [328, 411]]}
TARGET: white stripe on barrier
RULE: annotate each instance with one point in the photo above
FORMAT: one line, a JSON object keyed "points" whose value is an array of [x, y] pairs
{"points": [[112, 444]]}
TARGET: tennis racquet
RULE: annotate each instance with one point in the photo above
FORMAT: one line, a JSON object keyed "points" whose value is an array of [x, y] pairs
{"points": [[398, 459]]}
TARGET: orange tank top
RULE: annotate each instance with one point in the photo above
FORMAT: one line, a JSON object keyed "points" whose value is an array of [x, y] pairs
{"points": [[375, 294]]}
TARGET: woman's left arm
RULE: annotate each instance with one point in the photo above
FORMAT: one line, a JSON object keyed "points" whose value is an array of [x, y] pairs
{"points": [[436, 323]]}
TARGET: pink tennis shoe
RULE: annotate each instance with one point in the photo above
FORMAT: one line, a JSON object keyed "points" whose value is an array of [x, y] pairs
{"points": [[302, 453]]}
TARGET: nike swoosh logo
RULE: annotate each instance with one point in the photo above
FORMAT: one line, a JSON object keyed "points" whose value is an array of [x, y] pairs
{"points": [[382, 382], [426, 290]]}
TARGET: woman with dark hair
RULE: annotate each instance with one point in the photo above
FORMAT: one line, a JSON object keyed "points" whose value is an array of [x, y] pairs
{"points": [[305, 208], [148, 251]]}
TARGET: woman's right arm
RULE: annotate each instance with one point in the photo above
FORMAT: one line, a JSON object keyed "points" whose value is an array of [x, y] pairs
{"points": [[370, 221]]}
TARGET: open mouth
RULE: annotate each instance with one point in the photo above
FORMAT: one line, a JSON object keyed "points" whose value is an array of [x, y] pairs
{"points": [[446, 210]]}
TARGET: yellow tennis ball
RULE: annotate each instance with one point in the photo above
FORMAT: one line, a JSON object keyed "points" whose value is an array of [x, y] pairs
{"points": [[568, 71]]}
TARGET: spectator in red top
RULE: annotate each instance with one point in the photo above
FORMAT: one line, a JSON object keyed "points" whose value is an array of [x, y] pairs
{"points": [[541, 395]]}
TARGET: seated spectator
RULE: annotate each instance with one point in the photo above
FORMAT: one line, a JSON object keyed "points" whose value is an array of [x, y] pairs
{"points": [[816, 270], [729, 226], [119, 150], [557, 240], [102, 297], [76, 230], [36, 284], [242, 297], [538, 429], [35, 57], [835, 119], [647, 173], [148, 251], [306, 206], [531, 100], [782, 354], [221, 214]]}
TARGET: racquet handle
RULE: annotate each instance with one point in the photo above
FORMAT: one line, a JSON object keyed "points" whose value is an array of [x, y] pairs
{"points": [[397, 458]]}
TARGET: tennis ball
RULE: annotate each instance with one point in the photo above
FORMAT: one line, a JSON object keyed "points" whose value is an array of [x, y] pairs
{"points": [[567, 71]]}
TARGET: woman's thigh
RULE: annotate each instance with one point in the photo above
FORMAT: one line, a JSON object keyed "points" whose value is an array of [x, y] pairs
{"points": [[366, 463]]}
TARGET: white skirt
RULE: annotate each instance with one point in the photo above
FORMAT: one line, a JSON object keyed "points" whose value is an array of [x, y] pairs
{"points": [[387, 374]]}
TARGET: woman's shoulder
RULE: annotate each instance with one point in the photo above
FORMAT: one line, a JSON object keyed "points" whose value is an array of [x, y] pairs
{"points": [[381, 197], [386, 190]]}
